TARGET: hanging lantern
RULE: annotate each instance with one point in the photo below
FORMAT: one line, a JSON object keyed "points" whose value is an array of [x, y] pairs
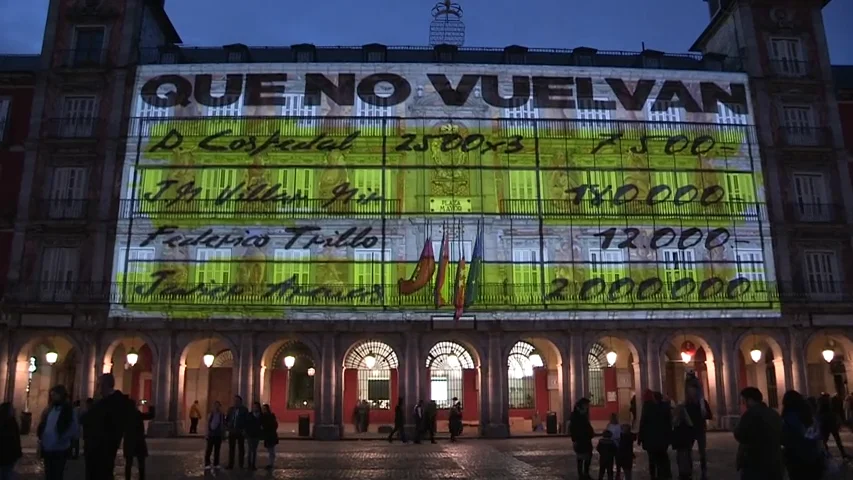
{"points": [[207, 359], [828, 354], [132, 357], [51, 357], [453, 361], [32, 367], [688, 350], [370, 361], [289, 361], [311, 371], [611, 357], [755, 355], [536, 360]]}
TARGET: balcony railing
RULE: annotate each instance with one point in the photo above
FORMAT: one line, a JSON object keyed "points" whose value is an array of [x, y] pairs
{"points": [[816, 292], [73, 128], [746, 211], [82, 58], [791, 136], [60, 209], [790, 68], [817, 212], [296, 208]]}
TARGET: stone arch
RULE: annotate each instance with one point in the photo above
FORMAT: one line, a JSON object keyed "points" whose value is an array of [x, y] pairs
{"points": [[198, 382], [68, 347], [138, 380], [768, 373], [458, 378], [113, 339], [624, 377], [540, 389], [706, 368], [828, 377], [290, 392], [370, 374]]}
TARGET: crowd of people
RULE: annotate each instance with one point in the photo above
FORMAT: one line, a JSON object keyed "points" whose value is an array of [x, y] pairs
{"points": [[769, 444], [426, 420]]}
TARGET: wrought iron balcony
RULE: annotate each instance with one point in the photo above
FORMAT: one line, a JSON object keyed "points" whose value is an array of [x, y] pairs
{"points": [[60, 209], [639, 209], [796, 136], [816, 292], [83, 58], [817, 212], [282, 208], [80, 128], [790, 68], [70, 292]]}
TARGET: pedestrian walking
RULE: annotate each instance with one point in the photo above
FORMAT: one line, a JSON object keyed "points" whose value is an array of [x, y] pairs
{"points": [[56, 430], [655, 434], [803, 453], [104, 426], [235, 422], [580, 429], [365, 416], [420, 420], [625, 453], [399, 421], [431, 419], [455, 420], [683, 436], [254, 434], [269, 432], [632, 408], [759, 437], [195, 415], [830, 423], [699, 411], [75, 442], [607, 449], [213, 436], [10, 442], [135, 447]]}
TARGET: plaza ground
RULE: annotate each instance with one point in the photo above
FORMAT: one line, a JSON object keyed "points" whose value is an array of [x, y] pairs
{"points": [[517, 459]]}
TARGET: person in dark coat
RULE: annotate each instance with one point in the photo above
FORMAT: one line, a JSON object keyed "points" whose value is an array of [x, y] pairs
{"points": [[431, 419], [655, 434], [759, 437], [420, 420], [135, 446], [103, 428], [399, 421], [700, 413], [10, 441], [253, 435], [269, 432], [830, 423], [607, 449], [235, 425], [213, 436], [581, 432], [804, 458], [632, 408], [625, 453], [683, 437], [455, 422]]}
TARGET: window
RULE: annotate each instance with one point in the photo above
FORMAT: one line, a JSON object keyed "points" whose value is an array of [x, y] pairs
{"points": [[664, 111], [674, 180], [593, 115], [78, 116], [214, 182], [799, 125], [293, 264], [810, 195], [376, 113], [522, 384], [137, 264], [446, 362], [58, 273], [305, 56], [68, 192], [678, 265], [595, 362], [526, 275], [731, 114], [294, 107], [4, 116], [822, 277], [787, 56], [750, 265], [214, 266], [606, 264], [147, 113], [740, 195], [517, 119], [374, 384], [370, 266], [217, 89], [375, 56], [88, 46], [369, 180]]}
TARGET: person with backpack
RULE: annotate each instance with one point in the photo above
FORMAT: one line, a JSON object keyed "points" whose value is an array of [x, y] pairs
{"points": [[802, 448]]}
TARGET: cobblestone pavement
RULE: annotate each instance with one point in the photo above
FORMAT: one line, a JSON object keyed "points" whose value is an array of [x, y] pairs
{"points": [[517, 459]]}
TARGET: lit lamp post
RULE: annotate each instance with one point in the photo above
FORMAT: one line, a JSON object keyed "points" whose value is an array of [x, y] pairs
{"points": [[611, 357], [828, 354], [51, 357], [755, 355], [132, 357], [311, 371], [207, 359], [289, 361], [687, 352]]}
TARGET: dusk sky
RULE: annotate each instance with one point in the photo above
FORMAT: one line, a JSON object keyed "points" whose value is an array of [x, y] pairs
{"points": [[668, 25]]}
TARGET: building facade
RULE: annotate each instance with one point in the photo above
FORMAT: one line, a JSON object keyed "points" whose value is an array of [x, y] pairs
{"points": [[315, 227]]}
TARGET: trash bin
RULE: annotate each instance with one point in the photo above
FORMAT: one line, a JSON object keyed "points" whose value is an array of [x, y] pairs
{"points": [[551, 423], [304, 426], [26, 422]]}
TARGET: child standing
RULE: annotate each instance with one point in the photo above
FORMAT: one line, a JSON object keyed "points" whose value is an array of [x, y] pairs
{"points": [[625, 453], [607, 449], [614, 427]]}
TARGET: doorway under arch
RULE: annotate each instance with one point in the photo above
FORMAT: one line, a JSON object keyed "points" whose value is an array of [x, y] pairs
{"points": [[370, 375]]}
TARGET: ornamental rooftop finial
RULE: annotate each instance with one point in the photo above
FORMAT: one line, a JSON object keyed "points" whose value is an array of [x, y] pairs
{"points": [[447, 27]]}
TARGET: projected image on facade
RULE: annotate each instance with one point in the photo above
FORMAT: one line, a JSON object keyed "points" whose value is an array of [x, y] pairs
{"points": [[266, 204]]}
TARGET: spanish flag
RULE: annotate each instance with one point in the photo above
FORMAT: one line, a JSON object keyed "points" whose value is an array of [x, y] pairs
{"points": [[443, 260], [459, 288]]}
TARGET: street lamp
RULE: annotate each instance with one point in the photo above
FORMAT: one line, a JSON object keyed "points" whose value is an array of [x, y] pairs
{"points": [[755, 355], [370, 361], [207, 359], [51, 357], [536, 360], [32, 367], [611, 358], [289, 361], [311, 371], [686, 356], [828, 354], [132, 357], [452, 361]]}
